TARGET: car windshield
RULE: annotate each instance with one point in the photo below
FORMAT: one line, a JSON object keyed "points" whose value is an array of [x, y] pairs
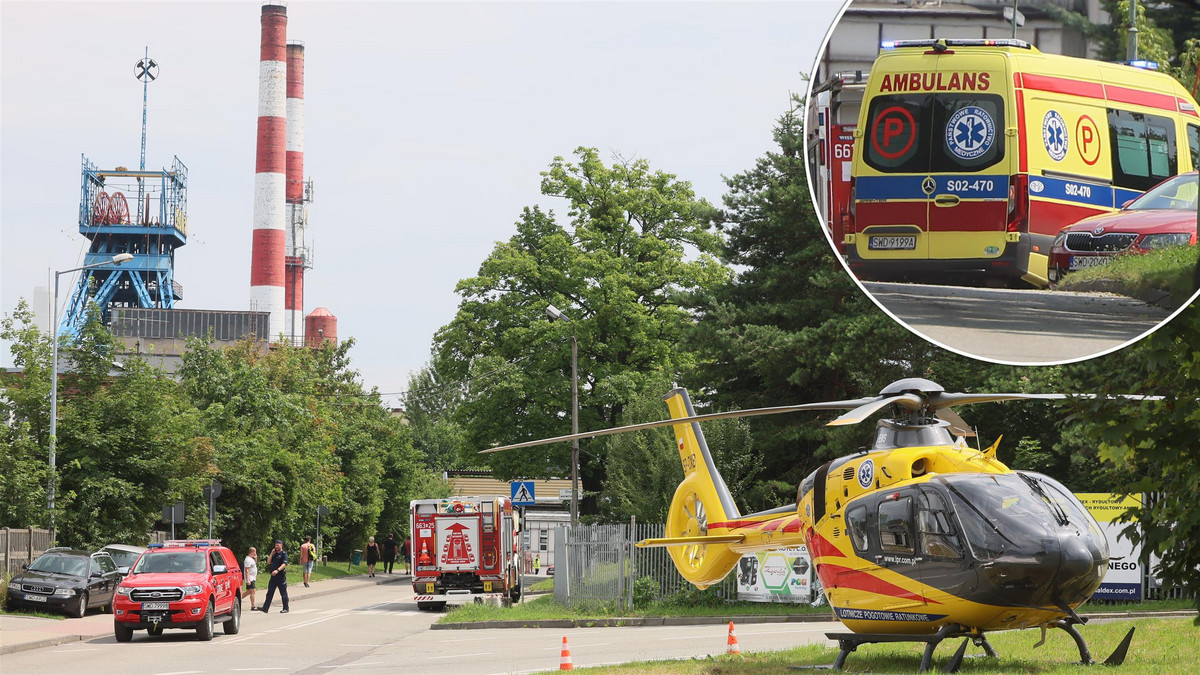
{"points": [[1178, 193], [122, 558], [62, 564], [187, 562]]}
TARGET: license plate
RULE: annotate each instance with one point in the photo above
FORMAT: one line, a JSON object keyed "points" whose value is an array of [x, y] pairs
{"points": [[429, 588], [35, 598], [892, 243], [1079, 262], [156, 605]]}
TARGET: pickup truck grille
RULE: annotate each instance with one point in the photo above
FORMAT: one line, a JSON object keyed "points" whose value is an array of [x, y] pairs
{"points": [[156, 594]]}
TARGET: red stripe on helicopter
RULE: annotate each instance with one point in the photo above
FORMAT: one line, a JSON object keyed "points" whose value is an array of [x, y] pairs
{"points": [[820, 547], [837, 576]]}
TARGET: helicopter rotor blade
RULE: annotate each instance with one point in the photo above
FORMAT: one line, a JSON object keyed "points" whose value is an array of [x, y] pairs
{"points": [[753, 412], [910, 401], [958, 426], [945, 400]]}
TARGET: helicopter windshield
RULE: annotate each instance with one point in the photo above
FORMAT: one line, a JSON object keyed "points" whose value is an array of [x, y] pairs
{"points": [[1014, 514]]}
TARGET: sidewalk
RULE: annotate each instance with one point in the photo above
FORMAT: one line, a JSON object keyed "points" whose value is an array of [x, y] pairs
{"points": [[19, 633]]}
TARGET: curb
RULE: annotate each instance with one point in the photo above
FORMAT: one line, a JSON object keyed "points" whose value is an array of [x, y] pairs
{"points": [[65, 638], [635, 621], [47, 642]]}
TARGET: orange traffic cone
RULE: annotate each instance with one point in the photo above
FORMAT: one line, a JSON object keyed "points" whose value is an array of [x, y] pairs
{"points": [[564, 662], [732, 643]]}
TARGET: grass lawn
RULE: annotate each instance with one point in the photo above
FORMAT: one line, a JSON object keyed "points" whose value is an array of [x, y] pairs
{"points": [[1137, 276], [1159, 646], [545, 608]]}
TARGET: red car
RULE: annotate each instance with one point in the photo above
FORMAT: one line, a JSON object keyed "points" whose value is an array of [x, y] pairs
{"points": [[1164, 216], [190, 584]]}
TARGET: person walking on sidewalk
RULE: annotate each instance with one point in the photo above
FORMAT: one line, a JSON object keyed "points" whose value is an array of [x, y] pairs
{"points": [[537, 564], [308, 558], [250, 572], [278, 567], [406, 551], [389, 553], [372, 550]]}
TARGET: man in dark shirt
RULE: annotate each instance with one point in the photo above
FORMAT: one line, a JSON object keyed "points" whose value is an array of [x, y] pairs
{"points": [[389, 553], [278, 567]]}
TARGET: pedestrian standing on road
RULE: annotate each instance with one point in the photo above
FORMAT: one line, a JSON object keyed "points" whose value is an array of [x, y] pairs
{"points": [[308, 558], [537, 564], [406, 551], [278, 567], [250, 573], [372, 550], [389, 553]]}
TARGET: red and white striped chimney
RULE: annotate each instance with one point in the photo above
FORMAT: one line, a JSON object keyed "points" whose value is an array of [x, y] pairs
{"points": [[296, 254], [266, 256]]}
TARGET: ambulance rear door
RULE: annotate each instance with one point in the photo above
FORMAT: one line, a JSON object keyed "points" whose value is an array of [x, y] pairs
{"points": [[933, 183]]}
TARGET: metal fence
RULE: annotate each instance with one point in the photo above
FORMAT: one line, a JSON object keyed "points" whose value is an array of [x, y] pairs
{"points": [[22, 546], [601, 565]]}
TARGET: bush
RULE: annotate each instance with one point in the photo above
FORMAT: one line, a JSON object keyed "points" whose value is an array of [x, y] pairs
{"points": [[645, 592]]}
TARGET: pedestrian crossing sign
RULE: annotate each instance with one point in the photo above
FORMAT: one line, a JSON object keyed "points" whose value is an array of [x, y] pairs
{"points": [[522, 493]]}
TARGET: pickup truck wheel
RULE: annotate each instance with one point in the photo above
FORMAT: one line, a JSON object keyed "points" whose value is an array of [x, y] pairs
{"points": [[234, 624], [204, 632], [122, 632], [80, 607]]}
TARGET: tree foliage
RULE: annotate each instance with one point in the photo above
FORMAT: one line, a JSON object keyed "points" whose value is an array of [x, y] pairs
{"points": [[636, 240], [1151, 442]]}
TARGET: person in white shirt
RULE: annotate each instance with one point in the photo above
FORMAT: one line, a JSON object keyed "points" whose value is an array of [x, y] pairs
{"points": [[250, 572]]}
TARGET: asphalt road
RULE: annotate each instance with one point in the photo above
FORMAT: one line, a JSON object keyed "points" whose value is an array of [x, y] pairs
{"points": [[379, 629], [1021, 327]]}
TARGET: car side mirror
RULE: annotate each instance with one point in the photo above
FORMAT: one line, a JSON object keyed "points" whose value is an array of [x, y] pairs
{"points": [[24, 566], [96, 575], [220, 569], [123, 570]]}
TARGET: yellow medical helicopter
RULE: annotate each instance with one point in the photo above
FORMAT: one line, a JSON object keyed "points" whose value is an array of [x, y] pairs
{"points": [[918, 538]]}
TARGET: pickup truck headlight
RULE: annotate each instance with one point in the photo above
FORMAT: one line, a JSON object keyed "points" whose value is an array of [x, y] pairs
{"points": [[123, 590], [64, 592], [192, 590]]}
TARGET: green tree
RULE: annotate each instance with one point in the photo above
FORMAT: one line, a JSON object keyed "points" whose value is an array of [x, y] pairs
{"points": [[792, 326], [429, 407], [25, 407], [1151, 442], [637, 240]]}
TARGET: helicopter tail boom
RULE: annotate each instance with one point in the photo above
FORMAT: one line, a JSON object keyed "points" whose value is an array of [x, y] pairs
{"points": [[701, 555]]}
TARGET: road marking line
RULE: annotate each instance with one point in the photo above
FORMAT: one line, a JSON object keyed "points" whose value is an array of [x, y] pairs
{"points": [[459, 656], [446, 642], [598, 644]]}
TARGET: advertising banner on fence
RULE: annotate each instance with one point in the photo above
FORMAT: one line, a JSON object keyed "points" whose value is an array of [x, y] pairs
{"points": [[1123, 581], [785, 575]]}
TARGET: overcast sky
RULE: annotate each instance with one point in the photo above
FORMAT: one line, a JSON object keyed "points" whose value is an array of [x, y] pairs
{"points": [[427, 125]]}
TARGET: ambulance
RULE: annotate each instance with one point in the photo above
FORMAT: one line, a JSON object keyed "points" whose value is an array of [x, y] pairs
{"points": [[970, 155]]}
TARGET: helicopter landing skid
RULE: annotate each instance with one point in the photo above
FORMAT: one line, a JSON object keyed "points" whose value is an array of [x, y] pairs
{"points": [[1085, 656], [849, 642]]}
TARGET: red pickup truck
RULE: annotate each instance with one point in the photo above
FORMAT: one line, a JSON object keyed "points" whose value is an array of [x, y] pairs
{"points": [[190, 584]]}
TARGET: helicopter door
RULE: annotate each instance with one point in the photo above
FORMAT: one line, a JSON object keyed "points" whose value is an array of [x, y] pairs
{"points": [[945, 570], [898, 542]]}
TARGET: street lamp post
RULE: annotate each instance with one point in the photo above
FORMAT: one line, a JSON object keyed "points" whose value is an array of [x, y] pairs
{"points": [[115, 260], [556, 314]]}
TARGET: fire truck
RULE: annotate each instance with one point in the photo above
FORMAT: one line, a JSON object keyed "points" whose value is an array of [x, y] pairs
{"points": [[465, 549], [833, 117]]}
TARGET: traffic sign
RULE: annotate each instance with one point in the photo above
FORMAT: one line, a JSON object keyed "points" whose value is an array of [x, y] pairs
{"points": [[522, 493]]}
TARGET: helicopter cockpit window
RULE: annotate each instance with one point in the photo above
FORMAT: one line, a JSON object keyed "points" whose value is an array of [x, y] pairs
{"points": [[895, 525], [938, 538], [856, 525]]}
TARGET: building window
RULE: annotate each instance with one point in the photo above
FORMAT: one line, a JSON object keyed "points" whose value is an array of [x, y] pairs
{"points": [[543, 540]]}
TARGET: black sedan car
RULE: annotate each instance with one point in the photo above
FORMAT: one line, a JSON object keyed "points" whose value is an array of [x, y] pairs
{"points": [[65, 580]]}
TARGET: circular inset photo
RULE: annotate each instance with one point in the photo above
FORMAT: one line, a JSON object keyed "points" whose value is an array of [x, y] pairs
{"points": [[1003, 184]]}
